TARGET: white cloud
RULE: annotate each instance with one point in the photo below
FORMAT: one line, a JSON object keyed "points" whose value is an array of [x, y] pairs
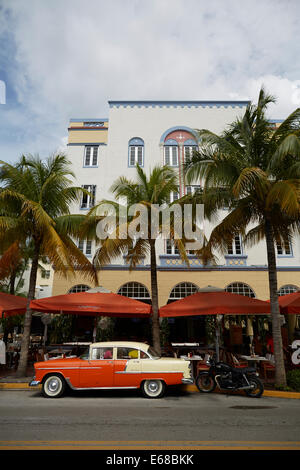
{"points": [[71, 57]]}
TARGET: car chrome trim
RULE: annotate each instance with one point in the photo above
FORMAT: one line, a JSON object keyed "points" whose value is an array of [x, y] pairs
{"points": [[34, 383], [94, 388], [150, 372], [187, 381]]}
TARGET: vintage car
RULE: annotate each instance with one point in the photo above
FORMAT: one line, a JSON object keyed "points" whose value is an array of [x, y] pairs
{"points": [[112, 365]]}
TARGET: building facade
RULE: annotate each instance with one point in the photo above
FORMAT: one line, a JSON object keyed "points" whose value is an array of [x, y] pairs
{"points": [[155, 133]]}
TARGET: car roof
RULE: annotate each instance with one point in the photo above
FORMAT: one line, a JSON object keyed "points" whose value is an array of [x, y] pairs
{"points": [[124, 344]]}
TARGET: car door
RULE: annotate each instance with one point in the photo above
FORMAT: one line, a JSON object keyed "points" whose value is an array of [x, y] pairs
{"points": [[98, 370], [127, 367]]}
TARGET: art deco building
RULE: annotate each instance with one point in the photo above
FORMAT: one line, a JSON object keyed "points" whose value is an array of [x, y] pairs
{"points": [[163, 132]]}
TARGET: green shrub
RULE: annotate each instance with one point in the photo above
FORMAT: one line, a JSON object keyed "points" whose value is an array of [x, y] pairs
{"points": [[293, 379]]}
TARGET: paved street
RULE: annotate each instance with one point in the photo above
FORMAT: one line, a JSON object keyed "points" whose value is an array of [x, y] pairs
{"points": [[126, 420]]}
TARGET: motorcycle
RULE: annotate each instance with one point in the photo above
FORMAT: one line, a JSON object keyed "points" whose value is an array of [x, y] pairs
{"points": [[231, 378]]}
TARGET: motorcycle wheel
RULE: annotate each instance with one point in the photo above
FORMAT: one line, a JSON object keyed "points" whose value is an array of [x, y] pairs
{"points": [[258, 388], [205, 383]]}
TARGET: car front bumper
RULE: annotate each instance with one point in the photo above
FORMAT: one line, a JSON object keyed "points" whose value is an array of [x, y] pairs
{"points": [[34, 383]]}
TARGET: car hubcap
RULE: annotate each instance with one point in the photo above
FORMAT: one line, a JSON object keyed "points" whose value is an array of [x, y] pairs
{"points": [[53, 385], [153, 387]]}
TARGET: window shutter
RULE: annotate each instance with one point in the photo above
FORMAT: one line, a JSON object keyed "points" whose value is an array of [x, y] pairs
{"points": [[88, 250], [93, 194], [174, 156], [167, 156], [132, 156], [87, 156], [95, 156], [80, 245], [140, 156]]}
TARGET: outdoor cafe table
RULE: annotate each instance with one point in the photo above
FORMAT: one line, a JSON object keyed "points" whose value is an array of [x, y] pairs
{"points": [[253, 360]]}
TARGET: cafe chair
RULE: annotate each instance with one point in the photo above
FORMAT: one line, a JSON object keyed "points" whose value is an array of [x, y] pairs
{"points": [[267, 369]]}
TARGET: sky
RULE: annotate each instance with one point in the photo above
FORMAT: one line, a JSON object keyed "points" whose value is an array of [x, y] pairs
{"points": [[66, 58]]}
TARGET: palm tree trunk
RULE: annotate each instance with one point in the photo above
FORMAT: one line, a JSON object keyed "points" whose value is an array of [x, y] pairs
{"points": [[21, 372], [12, 281], [280, 376], [154, 298]]}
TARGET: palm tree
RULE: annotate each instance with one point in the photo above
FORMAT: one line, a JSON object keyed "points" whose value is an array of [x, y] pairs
{"points": [[254, 170], [35, 197], [148, 193]]}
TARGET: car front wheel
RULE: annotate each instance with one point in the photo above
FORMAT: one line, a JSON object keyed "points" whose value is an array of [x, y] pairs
{"points": [[153, 388], [53, 386]]}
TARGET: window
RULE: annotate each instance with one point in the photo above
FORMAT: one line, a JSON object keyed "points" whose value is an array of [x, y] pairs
{"points": [[171, 248], [240, 288], [235, 247], [102, 353], [79, 288], [284, 249], [192, 189], [136, 152], [182, 290], [128, 353], [93, 124], [88, 200], [287, 289], [171, 155], [135, 290], [91, 155], [188, 152], [174, 196], [85, 246], [45, 274]]}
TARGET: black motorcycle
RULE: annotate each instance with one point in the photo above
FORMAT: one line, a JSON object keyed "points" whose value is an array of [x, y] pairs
{"points": [[231, 378]]}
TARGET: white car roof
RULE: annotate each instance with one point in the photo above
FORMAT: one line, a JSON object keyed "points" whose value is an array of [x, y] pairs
{"points": [[120, 344]]}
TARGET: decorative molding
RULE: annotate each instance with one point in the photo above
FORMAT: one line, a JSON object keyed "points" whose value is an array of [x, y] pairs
{"points": [[86, 143], [178, 128], [178, 104], [89, 120], [236, 260]]}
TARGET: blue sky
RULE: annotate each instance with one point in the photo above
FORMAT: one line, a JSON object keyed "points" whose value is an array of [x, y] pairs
{"points": [[66, 58]]}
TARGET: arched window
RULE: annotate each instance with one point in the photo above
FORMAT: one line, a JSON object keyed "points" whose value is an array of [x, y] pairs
{"points": [[136, 291], [136, 152], [182, 290], [240, 288], [287, 289], [79, 288]]}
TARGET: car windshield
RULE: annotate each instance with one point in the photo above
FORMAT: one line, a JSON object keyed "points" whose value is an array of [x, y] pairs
{"points": [[153, 353]]}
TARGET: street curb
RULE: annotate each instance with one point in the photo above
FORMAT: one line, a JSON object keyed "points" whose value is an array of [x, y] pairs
{"points": [[267, 393], [186, 388]]}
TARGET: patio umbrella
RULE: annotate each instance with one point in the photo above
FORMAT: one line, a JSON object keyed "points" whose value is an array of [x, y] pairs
{"points": [[93, 304], [12, 305], [290, 303], [216, 303]]}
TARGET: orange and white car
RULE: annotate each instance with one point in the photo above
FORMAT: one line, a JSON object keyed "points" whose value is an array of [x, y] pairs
{"points": [[113, 365]]}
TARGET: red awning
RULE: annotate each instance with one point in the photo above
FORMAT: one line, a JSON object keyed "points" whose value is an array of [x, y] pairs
{"points": [[93, 304], [12, 305], [215, 303], [290, 303]]}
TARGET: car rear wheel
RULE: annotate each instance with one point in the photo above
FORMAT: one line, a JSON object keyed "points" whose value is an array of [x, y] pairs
{"points": [[53, 386], [153, 388]]}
